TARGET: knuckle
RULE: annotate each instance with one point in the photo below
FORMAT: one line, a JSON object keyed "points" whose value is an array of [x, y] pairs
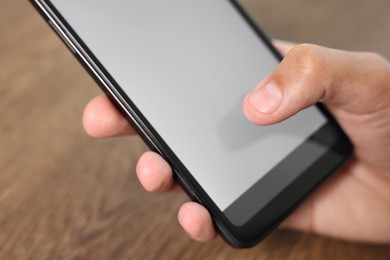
{"points": [[385, 63], [308, 59], [377, 57], [307, 64]]}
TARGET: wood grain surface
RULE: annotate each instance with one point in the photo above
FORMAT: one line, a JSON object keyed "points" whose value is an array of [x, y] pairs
{"points": [[64, 195]]}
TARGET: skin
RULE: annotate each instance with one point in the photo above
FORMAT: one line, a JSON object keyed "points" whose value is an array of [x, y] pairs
{"points": [[354, 204]]}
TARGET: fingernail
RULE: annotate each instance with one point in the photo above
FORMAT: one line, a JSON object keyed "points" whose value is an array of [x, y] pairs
{"points": [[265, 98]]}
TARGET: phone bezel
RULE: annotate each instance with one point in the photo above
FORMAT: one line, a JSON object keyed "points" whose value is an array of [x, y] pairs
{"points": [[268, 217]]}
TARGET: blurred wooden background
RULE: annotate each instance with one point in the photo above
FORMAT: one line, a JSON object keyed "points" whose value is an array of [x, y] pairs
{"points": [[64, 195]]}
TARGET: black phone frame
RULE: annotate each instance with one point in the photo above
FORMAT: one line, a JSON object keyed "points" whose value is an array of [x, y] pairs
{"points": [[267, 218]]}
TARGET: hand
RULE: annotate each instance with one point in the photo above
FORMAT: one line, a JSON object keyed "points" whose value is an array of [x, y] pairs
{"points": [[354, 204]]}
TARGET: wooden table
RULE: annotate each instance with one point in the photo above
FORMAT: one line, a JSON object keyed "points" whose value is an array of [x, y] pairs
{"points": [[66, 195]]}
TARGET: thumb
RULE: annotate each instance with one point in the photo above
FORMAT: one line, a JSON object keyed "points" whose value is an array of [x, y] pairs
{"points": [[355, 82]]}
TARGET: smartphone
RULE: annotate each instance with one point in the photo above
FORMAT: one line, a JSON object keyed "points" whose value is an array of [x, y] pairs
{"points": [[178, 70]]}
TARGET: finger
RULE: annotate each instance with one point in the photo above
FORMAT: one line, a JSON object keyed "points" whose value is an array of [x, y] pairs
{"points": [[102, 119], [309, 74], [196, 221], [154, 173]]}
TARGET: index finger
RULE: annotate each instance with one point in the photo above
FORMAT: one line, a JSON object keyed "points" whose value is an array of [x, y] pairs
{"points": [[101, 119]]}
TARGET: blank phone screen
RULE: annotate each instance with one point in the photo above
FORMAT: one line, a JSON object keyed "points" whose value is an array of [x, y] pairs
{"points": [[187, 66]]}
